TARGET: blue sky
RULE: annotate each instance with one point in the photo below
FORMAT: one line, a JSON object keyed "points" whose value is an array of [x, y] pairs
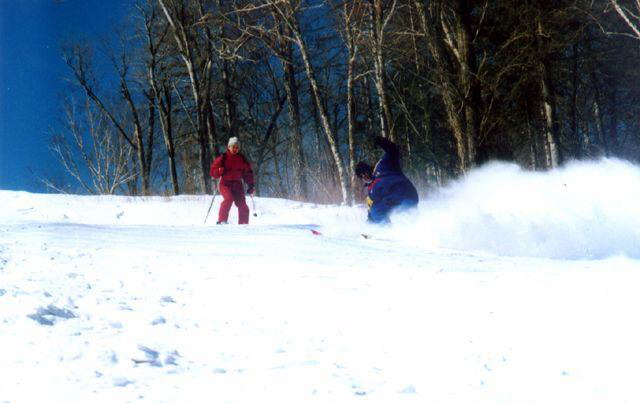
{"points": [[32, 78]]}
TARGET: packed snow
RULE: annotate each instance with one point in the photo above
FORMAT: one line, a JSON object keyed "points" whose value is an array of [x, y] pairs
{"points": [[505, 286]]}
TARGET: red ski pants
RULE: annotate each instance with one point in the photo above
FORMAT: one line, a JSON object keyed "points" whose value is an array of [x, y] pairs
{"points": [[233, 192]]}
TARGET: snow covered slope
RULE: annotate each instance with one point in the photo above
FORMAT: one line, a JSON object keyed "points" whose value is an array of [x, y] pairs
{"points": [[506, 286]]}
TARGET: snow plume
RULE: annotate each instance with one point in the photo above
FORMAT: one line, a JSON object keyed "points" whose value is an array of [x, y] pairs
{"points": [[585, 210]]}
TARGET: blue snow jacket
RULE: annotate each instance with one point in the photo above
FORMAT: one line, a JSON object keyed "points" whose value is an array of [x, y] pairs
{"points": [[389, 189]]}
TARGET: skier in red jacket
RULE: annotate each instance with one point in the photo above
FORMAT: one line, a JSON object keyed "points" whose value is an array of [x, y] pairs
{"points": [[232, 168]]}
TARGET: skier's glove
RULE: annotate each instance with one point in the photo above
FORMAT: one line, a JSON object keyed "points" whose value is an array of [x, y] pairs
{"points": [[220, 172], [250, 189]]}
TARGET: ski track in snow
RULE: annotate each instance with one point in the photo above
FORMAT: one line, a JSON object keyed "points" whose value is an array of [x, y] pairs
{"points": [[97, 308]]}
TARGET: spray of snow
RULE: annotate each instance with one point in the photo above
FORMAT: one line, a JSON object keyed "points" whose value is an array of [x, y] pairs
{"points": [[586, 210]]}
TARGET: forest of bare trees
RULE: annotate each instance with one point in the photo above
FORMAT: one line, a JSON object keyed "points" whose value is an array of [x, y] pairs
{"points": [[306, 85]]}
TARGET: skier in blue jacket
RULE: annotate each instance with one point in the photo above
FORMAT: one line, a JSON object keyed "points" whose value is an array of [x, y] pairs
{"points": [[388, 188]]}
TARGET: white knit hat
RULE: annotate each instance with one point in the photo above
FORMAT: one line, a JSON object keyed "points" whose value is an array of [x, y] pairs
{"points": [[232, 141]]}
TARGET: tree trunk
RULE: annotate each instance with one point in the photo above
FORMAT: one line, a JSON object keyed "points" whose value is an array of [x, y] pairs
{"points": [[603, 138], [379, 21], [443, 67], [533, 137], [549, 111], [143, 164], [352, 55], [579, 151], [597, 116], [324, 117], [613, 122], [151, 133], [300, 189], [199, 89], [229, 101], [469, 82], [167, 131]]}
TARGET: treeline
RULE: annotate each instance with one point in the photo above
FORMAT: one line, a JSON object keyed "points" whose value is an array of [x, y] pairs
{"points": [[305, 85]]}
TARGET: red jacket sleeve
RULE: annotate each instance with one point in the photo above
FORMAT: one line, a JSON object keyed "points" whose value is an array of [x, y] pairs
{"points": [[247, 175], [215, 167]]}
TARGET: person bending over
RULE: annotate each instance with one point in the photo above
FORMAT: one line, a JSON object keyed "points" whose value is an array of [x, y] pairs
{"points": [[388, 188]]}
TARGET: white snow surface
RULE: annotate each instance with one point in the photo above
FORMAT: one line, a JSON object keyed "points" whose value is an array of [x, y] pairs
{"points": [[506, 286]]}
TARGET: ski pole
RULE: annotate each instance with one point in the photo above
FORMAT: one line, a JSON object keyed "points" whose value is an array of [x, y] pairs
{"points": [[253, 204], [215, 192]]}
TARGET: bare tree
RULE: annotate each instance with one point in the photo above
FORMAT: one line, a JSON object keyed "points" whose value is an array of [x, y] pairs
{"points": [[352, 16], [285, 14], [291, 87], [144, 146], [158, 77], [549, 105], [272, 31], [91, 153], [431, 25], [288, 11], [77, 57], [197, 55], [381, 13], [630, 14]]}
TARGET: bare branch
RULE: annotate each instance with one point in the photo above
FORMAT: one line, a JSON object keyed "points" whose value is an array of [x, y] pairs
{"points": [[627, 15]]}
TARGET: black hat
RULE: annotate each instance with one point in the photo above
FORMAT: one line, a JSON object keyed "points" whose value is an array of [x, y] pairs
{"points": [[363, 168]]}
